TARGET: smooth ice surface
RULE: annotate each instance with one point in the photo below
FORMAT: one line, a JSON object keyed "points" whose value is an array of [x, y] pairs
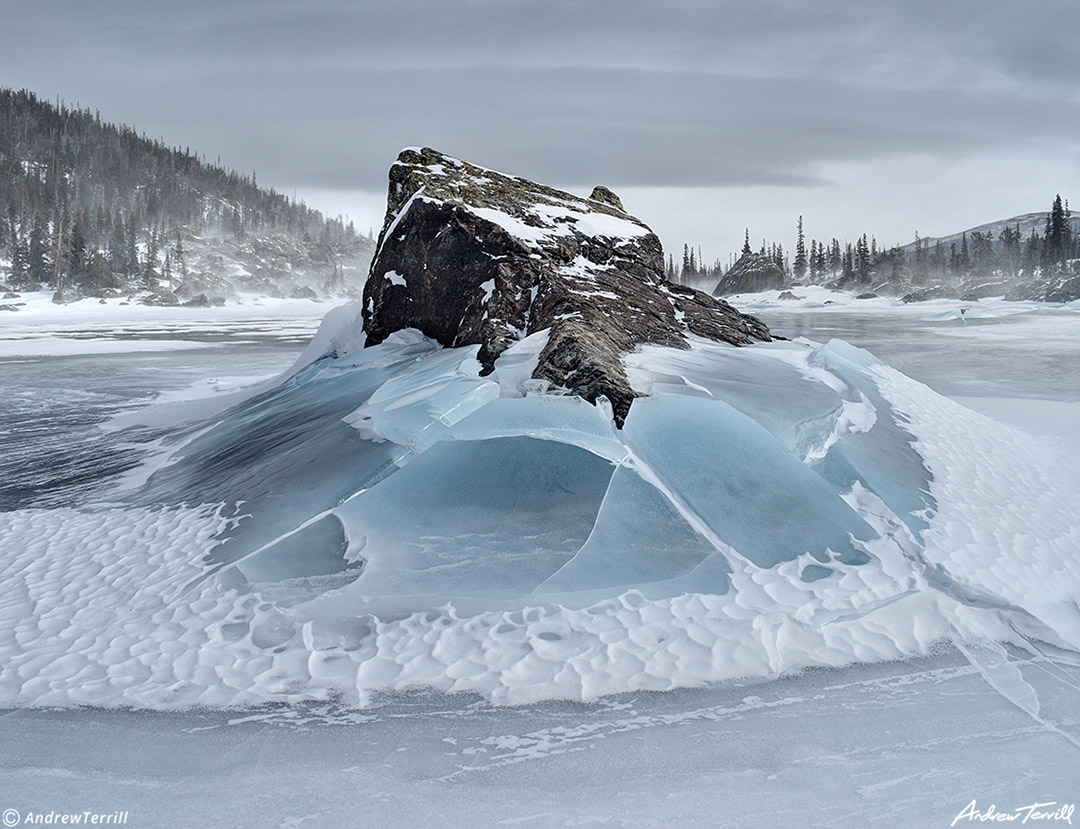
{"points": [[474, 518], [906, 744], [760, 383], [757, 497], [639, 541], [882, 457]]}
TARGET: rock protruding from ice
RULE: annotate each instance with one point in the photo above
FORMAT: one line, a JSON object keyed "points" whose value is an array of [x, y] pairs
{"points": [[470, 256], [754, 272]]}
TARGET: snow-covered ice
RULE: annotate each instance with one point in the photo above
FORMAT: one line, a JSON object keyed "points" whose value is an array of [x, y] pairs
{"points": [[386, 518], [386, 521]]}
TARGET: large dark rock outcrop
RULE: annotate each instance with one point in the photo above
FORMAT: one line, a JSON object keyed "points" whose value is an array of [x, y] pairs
{"points": [[1054, 286], [754, 272], [471, 256]]}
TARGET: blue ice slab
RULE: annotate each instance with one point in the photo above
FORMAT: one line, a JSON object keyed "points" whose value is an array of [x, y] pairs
{"points": [[415, 409], [285, 457], [564, 418], [741, 481], [475, 519], [883, 459], [639, 541], [801, 412]]}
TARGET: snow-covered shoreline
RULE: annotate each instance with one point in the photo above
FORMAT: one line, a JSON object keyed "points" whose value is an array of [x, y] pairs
{"points": [[814, 297], [42, 328]]}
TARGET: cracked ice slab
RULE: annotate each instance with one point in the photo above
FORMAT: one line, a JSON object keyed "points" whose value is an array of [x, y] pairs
{"points": [[751, 491]]}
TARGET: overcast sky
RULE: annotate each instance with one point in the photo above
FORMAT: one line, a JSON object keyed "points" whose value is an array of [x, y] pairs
{"points": [[706, 117]]}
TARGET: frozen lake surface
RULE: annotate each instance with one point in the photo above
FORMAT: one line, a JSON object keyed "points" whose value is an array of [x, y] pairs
{"points": [[886, 745], [906, 743]]}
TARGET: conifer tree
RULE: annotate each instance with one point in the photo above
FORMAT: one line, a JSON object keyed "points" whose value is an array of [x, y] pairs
{"points": [[1010, 249], [18, 255], [178, 256], [1057, 241], [37, 264], [151, 261], [798, 266]]}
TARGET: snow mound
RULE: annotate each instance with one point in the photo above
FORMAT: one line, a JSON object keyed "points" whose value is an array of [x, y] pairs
{"points": [[385, 518]]}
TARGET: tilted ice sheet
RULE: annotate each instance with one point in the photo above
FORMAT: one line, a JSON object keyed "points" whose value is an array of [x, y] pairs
{"points": [[752, 492], [473, 519], [881, 458], [758, 382], [416, 409], [639, 541]]}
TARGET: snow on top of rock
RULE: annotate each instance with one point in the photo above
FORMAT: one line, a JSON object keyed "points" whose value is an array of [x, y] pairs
{"points": [[531, 212]]}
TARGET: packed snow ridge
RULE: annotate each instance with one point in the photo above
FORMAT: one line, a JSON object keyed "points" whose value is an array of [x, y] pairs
{"points": [[469, 256]]}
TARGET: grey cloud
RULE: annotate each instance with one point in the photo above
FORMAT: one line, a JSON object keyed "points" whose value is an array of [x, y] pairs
{"points": [[628, 92]]}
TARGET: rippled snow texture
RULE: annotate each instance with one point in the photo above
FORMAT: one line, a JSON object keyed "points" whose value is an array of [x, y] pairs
{"points": [[387, 518]]}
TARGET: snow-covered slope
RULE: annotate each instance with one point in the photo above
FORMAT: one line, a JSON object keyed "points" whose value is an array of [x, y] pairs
{"points": [[1027, 222], [387, 518]]}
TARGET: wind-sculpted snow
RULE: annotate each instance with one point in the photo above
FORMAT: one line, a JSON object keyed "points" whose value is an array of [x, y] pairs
{"points": [[386, 518]]}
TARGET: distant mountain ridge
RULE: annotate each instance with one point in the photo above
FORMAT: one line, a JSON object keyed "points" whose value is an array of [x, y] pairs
{"points": [[1027, 222], [88, 207]]}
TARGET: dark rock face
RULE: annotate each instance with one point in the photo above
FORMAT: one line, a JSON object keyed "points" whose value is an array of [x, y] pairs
{"points": [[1054, 287], [973, 289], [931, 292], [1064, 288], [753, 272], [63, 297], [162, 298], [471, 256], [601, 194]]}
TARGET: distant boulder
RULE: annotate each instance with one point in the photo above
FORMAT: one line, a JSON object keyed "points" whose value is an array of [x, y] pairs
{"points": [[471, 256], [867, 295], [753, 273], [932, 292], [605, 196], [63, 297], [163, 299], [975, 288], [205, 282], [788, 295], [303, 292], [1063, 288]]}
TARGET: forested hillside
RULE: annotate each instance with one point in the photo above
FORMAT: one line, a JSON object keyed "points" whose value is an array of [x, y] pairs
{"points": [[1034, 256], [95, 208]]}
